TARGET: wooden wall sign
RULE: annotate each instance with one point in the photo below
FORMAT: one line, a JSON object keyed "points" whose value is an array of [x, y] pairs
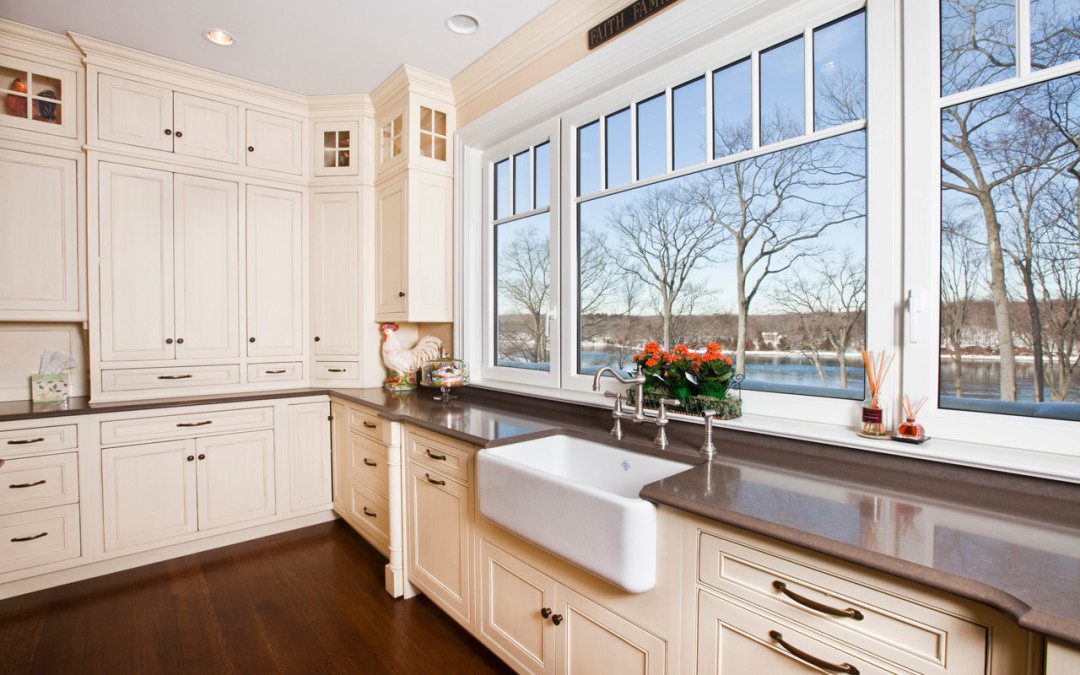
{"points": [[625, 19]]}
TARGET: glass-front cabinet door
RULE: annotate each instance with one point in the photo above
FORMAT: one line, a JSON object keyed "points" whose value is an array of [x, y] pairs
{"points": [[334, 143], [37, 97]]}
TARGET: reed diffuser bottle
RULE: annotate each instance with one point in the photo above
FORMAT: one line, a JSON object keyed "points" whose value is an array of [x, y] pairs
{"points": [[910, 430], [875, 412]]}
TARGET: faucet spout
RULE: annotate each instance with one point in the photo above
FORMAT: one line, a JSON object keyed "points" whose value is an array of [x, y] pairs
{"points": [[639, 385]]}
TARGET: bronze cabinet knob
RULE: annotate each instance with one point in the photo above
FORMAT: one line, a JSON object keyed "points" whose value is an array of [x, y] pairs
{"points": [[545, 612], [401, 294], [168, 132], [168, 341], [316, 338], [179, 134], [191, 458], [251, 339], [556, 619], [251, 148], [179, 341], [202, 456]]}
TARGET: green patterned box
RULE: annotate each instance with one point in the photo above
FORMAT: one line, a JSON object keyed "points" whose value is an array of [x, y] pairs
{"points": [[49, 388]]}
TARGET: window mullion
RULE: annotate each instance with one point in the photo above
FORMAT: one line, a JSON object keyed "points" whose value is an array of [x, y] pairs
{"points": [[808, 80], [755, 99], [1023, 38]]}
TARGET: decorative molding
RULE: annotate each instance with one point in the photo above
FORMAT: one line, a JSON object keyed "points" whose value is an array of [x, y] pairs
{"points": [[411, 80], [33, 42], [341, 105], [551, 31]]}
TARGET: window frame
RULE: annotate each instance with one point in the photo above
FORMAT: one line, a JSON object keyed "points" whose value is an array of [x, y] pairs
{"points": [[923, 103], [523, 142]]}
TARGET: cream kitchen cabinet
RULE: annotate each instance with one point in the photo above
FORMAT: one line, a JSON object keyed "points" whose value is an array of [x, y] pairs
{"points": [[275, 272], [160, 491], [41, 278], [309, 456], [274, 142], [169, 278], [440, 532], [335, 286], [546, 627], [150, 116], [414, 248]]}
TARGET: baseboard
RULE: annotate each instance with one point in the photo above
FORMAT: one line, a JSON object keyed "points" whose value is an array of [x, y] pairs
{"points": [[90, 570]]}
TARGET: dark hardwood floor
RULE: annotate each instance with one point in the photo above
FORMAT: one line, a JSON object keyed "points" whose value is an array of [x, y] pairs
{"points": [[306, 601]]}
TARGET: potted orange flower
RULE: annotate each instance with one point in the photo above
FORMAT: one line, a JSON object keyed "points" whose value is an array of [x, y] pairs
{"points": [[699, 380]]}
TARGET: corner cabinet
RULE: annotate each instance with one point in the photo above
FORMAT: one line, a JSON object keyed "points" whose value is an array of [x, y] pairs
{"points": [[414, 247]]}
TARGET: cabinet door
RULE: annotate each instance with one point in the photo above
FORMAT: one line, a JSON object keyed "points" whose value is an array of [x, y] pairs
{"points": [[39, 236], [205, 128], [590, 638], [514, 598], [134, 113], [430, 233], [309, 456], [335, 275], [148, 493], [733, 640], [391, 251], [274, 272], [136, 248], [339, 435], [236, 478], [439, 531], [274, 142], [207, 275]]}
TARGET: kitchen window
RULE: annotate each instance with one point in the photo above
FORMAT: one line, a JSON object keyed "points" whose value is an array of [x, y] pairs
{"points": [[993, 190]]}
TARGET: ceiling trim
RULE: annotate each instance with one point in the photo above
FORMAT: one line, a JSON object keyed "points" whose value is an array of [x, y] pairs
{"points": [[413, 80], [103, 52], [29, 40]]}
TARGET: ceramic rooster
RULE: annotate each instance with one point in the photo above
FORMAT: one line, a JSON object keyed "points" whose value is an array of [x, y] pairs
{"points": [[402, 363]]}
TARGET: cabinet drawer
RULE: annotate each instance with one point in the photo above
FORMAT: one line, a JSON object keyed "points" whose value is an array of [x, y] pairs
{"points": [[734, 639], [275, 372], [337, 370], [39, 440], [135, 379], [449, 460], [38, 537], [879, 620], [116, 432], [367, 463], [39, 482], [370, 511], [369, 424]]}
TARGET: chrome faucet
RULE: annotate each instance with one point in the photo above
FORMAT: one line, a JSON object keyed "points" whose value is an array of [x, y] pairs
{"points": [[638, 416]]}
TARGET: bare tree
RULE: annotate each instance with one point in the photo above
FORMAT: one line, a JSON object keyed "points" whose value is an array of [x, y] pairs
{"points": [[662, 238], [524, 288], [960, 272], [772, 207], [1058, 274], [828, 297]]}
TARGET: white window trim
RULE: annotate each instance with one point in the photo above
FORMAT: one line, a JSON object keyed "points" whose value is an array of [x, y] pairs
{"points": [[922, 106], [683, 42]]}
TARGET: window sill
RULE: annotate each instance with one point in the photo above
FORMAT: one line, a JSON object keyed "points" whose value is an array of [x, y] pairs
{"points": [[1040, 464]]}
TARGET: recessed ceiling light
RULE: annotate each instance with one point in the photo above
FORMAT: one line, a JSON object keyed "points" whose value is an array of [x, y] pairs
{"points": [[463, 23], [222, 38]]}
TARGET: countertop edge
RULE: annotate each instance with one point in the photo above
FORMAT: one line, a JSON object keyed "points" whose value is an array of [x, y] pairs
{"points": [[1015, 608]]}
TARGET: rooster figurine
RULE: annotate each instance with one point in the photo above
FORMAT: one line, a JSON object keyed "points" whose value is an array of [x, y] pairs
{"points": [[403, 363]]}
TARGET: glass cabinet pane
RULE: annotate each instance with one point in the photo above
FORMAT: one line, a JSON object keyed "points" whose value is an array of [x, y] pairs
{"points": [[425, 119], [329, 139], [14, 90]]}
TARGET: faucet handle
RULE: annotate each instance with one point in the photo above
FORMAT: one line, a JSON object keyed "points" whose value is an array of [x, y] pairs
{"points": [[670, 401], [708, 449], [613, 394]]}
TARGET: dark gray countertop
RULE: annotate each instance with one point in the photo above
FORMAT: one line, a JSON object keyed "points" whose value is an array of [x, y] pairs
{"points": [[1009, 541]]}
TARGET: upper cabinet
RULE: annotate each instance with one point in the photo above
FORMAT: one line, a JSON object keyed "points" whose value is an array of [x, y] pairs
{"points": [[335, 271], [41, 270], [169, 266], [137, 113], [37, 97], [334, 154], [275, 264], [274, 142]]}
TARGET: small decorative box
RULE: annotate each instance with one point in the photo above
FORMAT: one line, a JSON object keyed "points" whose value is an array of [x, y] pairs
{"points": [[49, 388]]}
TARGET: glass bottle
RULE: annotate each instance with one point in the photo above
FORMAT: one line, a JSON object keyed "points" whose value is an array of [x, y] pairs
{"points": [[875, 418]]}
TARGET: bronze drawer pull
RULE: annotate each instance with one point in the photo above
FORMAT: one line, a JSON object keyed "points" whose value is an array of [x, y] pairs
{"points": [[433, 481], [811, 659], [441, 458], [26, 441], [276, 372], [194, 424], [370, 463], [369, 514], [174, 377], [848, 613], [16, 486], [370, 425], [16, 540]]}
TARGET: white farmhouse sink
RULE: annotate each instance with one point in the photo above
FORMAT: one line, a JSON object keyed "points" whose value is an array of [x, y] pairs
{"points": [[579, 500]]}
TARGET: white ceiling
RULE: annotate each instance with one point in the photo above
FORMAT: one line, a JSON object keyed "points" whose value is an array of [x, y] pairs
{"points": [[308, 47]]}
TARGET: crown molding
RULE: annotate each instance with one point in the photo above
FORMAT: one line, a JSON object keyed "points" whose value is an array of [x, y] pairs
{"points": [[109, 54], [341, 105], [408, 79], [547, 33], [37, 42]]}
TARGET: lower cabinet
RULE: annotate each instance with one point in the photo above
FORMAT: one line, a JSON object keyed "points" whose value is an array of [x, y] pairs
{"points": [[734, 639], [309, 456], [440, 532], [546, 627], [159, 491]]}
